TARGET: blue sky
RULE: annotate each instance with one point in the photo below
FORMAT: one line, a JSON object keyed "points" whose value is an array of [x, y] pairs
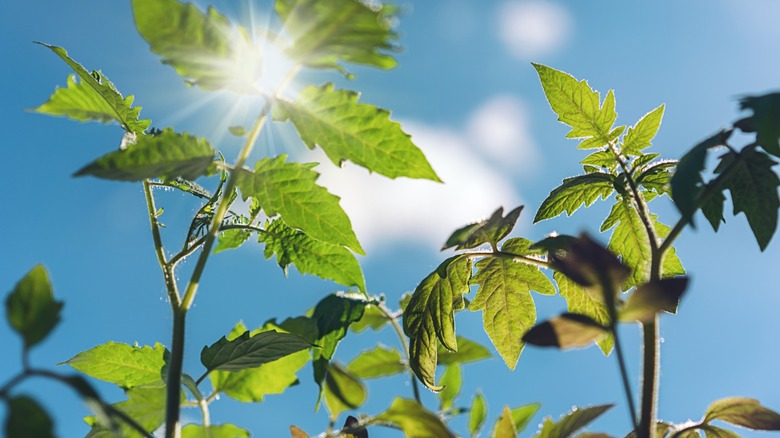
{"points": [[466, 91]]}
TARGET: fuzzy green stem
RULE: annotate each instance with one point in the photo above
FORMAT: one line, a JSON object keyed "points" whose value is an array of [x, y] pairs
{"points": [[167, 269]]}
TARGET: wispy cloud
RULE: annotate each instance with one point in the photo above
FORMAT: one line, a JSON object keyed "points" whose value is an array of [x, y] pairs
{"points": [[533, 28]]}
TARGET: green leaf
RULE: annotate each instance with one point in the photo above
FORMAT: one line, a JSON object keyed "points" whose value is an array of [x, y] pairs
{"points": [[231, 239], [505, 426], [372, 318], [579, 301], [125, 365], [602, 158], [504, 296], [253, 384], [358, 132], [31, 309], [26, 418], [577, 105], [250, 351], [490, 230], [342, 391], [657, 177], [414, 420], [166, 155], [592, 266], [204, 49], [328, 31], [574, 192], [522, 415], [764, 121], [753, 186], [290, 190], [451, 380], [429, 317], [311, 256], [651, 298], [745, 412], [94, 98], [521, 246], [145, 405], [717, 432], [712, 209], [639, 136], [333, 315], [569, 330], [477, 414], [213, 431], [468, 351], [573, 421], [378, 362]]}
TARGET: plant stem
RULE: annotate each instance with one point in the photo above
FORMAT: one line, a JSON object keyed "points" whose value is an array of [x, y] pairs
{"points": [[170, 281], [404, 345], [624, 375], [173, 383]]}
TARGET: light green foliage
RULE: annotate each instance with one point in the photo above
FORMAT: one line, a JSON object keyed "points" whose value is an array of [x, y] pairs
{"points": [[451, 380], [166, 155], [326, 32], [231, 239], [745, 412], [574, 192], [414, 420], [94, 98], [468, 351], [639, 136], [311, 256], [477, 414], [571, 422], [522, 415], [505, 426], [213, 431], [657, 176], [358, 132], [372, 318], [125, 365], [26, 418], [504, 296], [490, 230], [377, 362], [145, 405], [342, 391], [579, 301], [429, 317], [250, 350], [31, 309], [333, 315], [290, 190], [204, 49], [766, 113]]}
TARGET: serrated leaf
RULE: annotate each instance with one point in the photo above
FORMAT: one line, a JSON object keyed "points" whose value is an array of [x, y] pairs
{"points": [[577, 105], [250, 351], [213, 431], [571, 422], [601, 158], [326, 32], [429, 317], [205, 49], [94, 98], [468, 351], [504, 296], [372, 318], [505, 426], [574, 192], [521, 246], [333, 315], [639, 136], [166, 155], [357, 132], [342, 391], [451, 381], [579, 301], [651, 298], [592, 266], [712, 209], [231, 239], [125, 365], [477, 414], [657, 177], [753, 186], [31, 309], [745, 412], [145, 405], [290, 190], [764, 121], [377, 362], [490, 230], [569, 330], [414, 420], [26, 418], [311, 256], [523, 414]]}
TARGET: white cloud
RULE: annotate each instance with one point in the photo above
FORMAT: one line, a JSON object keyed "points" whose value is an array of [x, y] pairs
{"points": [[533, 28]]}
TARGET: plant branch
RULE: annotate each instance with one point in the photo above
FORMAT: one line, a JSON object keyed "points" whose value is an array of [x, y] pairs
{"points": [[402, 338], [170, 281]]}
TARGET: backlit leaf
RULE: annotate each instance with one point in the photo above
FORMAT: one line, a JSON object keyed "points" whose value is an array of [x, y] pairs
{"points": [[639, 136], [26, 418], [372, 318], [231, 239], [490, 230], [657, 177], [377, 362], [250, 351], [522, 415], [592, 266], [717, 432], [571, 422], [574, 192], [468, 351], [429, 316], [451, 380], [745, 412], [213, 431], [311, 256], [504, 296], [357, 132], [579, 301], [505, 426], [93, 98], [765, 120], [125, 365], [477, 414], [602, 158], [333, 315], [569, 330], [166, 155], [145, 405], [290, 190], [651, 298], [414, 420], [342, 391], [31, 309]]}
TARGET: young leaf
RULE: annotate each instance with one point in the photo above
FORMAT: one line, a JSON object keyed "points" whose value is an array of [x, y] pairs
{"points": [[490, 230], [26, 418], [639, 136], [372, 318], [290, 189], [358, 132], [504, 296], [145, 405], [414, 420], [574, 192], [247, 351], [569, 330], [602, 158], [505, 426], [764, 121], [651, 298], [429, 317], [166, 155], [326, 32], [213, 431], [94, 98], [657, 177], [311, 256], [125, 365], [579, 301], [571, 422], [577, 105], [468, 351], [522, 415], [31, 309], [477, 414], [745, 412], [753, 186], [203, 48], [378, 362], [342, 391], [231, 239], [451, 380]]}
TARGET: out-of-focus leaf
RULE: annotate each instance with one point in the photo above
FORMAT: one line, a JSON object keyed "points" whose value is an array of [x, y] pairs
{"points": [[213, 431], [452, 381], [592, 266], [490, 230], [573, 421], [26, 418], [31, 309], [145, 405], [477, 414], [372, 318], [522, 415], [765, 121], [342, 391], [569, 330], [579, 301], [639, 136], [414, 420], [377, 362], [574, 192], [125, 365], [653, 297], [468, 351], [297, 432], [745, 412], [505, 426]]}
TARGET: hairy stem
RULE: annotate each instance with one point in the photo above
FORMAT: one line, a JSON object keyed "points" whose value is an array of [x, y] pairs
{"points": [[173, 383], [398, 331], [168, 276]]}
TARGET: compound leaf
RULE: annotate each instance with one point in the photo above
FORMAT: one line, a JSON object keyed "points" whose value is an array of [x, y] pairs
{"points": [[250, 351], [31, 309], [213, 431], [639, 136], [414, 420], [745, 412], [574, 192], [490, 230], [127, 366], [27, 418], [377, 362], [290, 190]]}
